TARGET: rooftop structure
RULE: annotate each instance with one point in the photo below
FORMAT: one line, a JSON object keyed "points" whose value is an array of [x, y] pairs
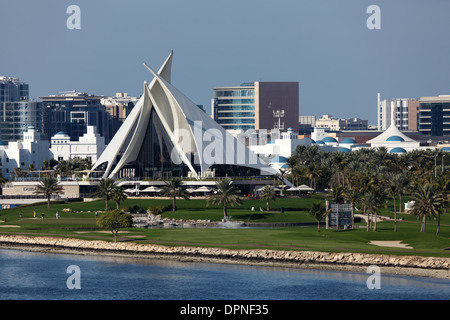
{"points": [[166, 134]]}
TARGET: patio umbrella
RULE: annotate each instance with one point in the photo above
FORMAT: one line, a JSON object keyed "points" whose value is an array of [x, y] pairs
{"points": [[203, 189], [304, 188], [151, 189]]}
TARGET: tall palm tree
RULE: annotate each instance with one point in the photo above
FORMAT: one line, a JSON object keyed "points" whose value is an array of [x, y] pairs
{"points": [[371, 203], [352, 195], [268, 193], [174, 189], [427, 202], [48, 187], [105, 189], [402, 183], [225, 194], [318, 211], [338, 197], [118, 195], [393, 191]]}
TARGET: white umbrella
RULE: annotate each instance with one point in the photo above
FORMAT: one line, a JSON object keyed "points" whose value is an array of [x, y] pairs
{"points": [[304, 188], [292, 189], [130, 190], [203, 189], [151, 189], [261, 189]]}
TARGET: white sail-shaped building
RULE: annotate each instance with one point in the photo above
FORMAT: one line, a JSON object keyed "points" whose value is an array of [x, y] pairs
{"points": [[167, 134]]}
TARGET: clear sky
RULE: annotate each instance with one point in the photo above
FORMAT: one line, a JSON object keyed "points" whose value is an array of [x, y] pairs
{"points": [[325, 45]]}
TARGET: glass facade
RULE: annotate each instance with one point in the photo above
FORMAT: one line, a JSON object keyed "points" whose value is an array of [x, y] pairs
{"points": [[16, 117], [434, 118], [12, 89], [234, 107], [72, 114], [154, 158]]}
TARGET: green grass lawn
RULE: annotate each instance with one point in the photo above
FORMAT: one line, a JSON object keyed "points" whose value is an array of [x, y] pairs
{"points": [[82, 225]]}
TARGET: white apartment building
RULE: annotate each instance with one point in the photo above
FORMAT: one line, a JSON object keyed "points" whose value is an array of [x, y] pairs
{"points": [[327, 121], [89, 146], [33, 150], [405, 113], [22, 153]]}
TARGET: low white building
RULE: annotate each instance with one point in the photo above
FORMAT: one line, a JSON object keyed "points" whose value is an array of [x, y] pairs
{"points": [[283, 146], [21, 154], [89, 146]]}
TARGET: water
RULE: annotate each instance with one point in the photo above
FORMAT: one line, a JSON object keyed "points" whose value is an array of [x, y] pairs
{"points": [[31, 275]]}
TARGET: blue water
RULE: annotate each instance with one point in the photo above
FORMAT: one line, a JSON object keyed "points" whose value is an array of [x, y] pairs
{"points": [[30, 275]]}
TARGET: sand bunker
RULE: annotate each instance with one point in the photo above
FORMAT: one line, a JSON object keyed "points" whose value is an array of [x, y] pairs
{"points": [[394, 244]]}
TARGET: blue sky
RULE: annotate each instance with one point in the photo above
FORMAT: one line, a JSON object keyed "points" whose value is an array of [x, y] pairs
{"points": [[325, 45]]}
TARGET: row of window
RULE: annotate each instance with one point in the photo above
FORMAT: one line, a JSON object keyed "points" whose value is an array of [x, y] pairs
{"points": [[235, 93]]}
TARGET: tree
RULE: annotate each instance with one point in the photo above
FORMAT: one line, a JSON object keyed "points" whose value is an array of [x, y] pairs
{"points": [[225, 194], [48, 187], [393, 190], [105, 189], [173, 189], [19, 173], [268, 193], [318, 211], [114, 220], [402, 183], [352, 195], [338, 197], [371, 203], [427, 202], [118, 195]]}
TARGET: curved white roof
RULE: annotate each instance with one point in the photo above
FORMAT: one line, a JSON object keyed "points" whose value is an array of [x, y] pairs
{"points": [[201, 135], [391, 131]]}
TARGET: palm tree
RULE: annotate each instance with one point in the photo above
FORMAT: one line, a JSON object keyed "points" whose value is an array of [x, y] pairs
{"points": [[338, 197], [19, 173], [393, 191], [105, 189], [352, 195], [427, 202], [268, 193], [318, 211], [48, 186], [225, 194], [173, 189], [402, 183], [118, 195], [371, 203]]}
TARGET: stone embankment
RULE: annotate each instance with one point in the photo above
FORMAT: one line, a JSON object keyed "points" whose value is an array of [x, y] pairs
{"points": [[407, 265]]}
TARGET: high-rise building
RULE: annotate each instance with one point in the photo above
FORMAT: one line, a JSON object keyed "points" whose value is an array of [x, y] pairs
{"points": [[16, 117], [434, 116], [257, 105], [17, 112], [72, 112], [12, 89], [406, 113]]}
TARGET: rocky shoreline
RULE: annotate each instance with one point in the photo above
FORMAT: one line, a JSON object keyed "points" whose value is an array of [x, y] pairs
{"points": [[390, 264]]}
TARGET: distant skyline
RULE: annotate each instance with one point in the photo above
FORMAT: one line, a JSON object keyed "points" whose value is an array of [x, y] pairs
{"points": [[324, 45]]}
